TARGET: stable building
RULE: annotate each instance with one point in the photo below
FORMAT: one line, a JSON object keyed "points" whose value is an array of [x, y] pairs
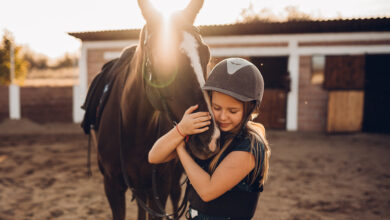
{"points": [[326, 76]]}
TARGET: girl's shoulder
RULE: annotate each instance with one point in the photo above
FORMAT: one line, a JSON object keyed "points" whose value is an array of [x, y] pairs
{"points": [[244, 143]]}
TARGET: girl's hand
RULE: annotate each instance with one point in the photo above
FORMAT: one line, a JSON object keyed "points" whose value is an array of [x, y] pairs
{"points": [[194, 123]]}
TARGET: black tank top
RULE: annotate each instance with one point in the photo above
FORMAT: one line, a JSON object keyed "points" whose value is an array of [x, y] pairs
{"points": [[240, 202]]}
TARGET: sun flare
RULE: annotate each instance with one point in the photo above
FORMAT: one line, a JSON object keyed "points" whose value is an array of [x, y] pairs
{"points": [[165, 52], [167, 7]]}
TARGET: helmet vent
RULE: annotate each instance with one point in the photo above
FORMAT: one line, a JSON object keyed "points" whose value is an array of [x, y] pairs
{"points": [[233, 65]]}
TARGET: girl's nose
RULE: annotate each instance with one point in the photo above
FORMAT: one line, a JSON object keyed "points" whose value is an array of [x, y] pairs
{"points": [[222, 116]]}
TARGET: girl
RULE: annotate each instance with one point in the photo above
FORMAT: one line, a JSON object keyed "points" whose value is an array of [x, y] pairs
{"points": [[227, 185]]}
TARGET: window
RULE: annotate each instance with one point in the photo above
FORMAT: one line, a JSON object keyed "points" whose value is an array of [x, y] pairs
{"points": [[317, 69]]}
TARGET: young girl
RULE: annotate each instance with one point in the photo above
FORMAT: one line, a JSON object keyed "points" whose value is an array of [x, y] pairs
{"points": [[226, 186]]}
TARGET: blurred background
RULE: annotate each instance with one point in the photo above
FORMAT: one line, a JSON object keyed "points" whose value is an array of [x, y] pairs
{"points": [[326, 104], [313, 55]]}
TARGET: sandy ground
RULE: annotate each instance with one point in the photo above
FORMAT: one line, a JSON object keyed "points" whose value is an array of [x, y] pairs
{"points": [[313, 176]]}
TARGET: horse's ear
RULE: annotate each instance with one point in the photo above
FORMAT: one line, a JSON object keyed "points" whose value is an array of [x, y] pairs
{"points": [[142, 36], [193, 9], [148, 11]]}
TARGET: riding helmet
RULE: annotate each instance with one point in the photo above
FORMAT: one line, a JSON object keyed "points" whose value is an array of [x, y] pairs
{"points": [[238, 78]]}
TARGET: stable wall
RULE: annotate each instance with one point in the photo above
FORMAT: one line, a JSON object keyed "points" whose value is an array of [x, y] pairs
{"points": [[46, 104], [40, 104], [4, 103], [96, 60], [312, 101], [306, 102]]}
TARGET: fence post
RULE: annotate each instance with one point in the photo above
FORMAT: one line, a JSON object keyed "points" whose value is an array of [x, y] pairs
{"points": [[14, 90]]}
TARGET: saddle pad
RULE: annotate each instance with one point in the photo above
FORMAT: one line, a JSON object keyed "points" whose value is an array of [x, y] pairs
{"points": [[94, 102]]}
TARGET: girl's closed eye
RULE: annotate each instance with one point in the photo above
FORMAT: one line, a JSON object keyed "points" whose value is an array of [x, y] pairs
{"points": [[216, 108]]}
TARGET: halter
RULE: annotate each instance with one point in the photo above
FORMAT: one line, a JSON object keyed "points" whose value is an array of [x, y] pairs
{"points": [[147, 73], [152, 89], [154, 95]]}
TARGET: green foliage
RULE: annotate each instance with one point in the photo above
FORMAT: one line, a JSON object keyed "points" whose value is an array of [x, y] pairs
{"points": [[42, 62], [35, 61], [65, 61], [21, 65], [293, 14]]}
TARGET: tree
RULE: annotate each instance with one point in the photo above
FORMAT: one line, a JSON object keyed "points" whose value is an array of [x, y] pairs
{"points": [[266, 15], [249, 15], [35, 61], [21, 65], [293, 14], [66, 61]]}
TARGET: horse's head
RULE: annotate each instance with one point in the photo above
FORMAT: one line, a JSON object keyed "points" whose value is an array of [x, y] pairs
{"points": [[174, 69]]}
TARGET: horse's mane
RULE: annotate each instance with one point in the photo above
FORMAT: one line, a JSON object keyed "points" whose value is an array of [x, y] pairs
{"points": [[125, 58]]}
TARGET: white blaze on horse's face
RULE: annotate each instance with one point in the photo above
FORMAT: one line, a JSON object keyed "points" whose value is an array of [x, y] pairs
{"points": [[190, 47]]}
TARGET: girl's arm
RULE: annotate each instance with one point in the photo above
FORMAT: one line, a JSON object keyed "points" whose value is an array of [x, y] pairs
{"points": [[163, 149], [229, 173]]}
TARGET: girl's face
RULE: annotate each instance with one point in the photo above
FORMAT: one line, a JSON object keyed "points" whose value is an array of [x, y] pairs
{"points": [[228, 111]]}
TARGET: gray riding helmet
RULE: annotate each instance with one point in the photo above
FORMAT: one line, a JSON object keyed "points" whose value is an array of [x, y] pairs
{"points": [[238, 78]]}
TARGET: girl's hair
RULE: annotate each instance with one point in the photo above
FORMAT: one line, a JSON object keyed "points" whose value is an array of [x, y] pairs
{"points": [[257, 135]]}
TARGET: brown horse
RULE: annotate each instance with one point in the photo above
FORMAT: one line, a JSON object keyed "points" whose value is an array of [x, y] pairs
{"points": [[155, 83]]}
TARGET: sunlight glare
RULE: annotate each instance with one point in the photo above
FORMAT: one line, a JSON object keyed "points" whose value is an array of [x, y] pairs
{"points": [[165, 52], [166, 60], [167, 7]]}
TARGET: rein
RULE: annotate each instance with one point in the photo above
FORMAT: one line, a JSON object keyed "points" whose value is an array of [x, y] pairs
{"points": [[163, 108], [152, 212]]}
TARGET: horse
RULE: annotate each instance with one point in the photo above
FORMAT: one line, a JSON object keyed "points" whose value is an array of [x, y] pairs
{"points": [[155, 82]]}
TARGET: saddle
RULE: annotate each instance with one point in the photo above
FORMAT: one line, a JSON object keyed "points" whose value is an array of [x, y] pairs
{"points": [[100, 89], [97, 96]]}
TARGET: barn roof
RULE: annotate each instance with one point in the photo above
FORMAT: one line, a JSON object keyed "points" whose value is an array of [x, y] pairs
{"points": [[256, 28]]}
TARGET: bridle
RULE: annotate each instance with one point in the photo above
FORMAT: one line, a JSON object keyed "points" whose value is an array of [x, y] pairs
{"points": [[152, 89], [159, 102]]}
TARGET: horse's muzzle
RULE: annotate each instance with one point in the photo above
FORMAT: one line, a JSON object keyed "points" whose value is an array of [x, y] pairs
{"points": [[204, 145]]}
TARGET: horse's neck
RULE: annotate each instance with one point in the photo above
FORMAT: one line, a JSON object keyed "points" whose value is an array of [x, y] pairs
{"points": [[134, 103]]}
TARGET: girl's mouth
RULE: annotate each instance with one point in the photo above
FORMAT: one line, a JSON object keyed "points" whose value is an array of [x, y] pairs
{"points": [[223, 125]]}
